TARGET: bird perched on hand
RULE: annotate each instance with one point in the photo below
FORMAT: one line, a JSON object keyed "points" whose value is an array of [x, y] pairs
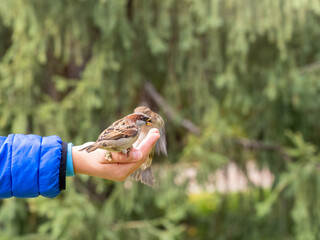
{"points": [[120, 136], [144, 174]]}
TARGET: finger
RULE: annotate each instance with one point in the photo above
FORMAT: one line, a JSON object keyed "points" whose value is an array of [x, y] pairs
{"points": [[147, 143], [121, 171], [134, 155]]}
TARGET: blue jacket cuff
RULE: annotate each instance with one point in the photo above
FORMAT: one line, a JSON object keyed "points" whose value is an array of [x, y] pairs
{"points": [[69, 170]]}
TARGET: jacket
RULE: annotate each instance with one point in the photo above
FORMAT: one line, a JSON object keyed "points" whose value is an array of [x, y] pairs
{"points": [[31, 165]]}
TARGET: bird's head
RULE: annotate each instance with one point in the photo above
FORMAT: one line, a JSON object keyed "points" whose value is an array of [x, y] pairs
{"points": [[140, 119], [156, 122]]}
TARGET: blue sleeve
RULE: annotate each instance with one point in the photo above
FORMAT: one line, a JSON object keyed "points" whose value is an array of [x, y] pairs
{"points": [[31, 165]]}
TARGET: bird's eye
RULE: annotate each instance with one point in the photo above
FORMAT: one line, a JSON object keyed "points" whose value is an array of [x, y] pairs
{"points": [[146, 119]]}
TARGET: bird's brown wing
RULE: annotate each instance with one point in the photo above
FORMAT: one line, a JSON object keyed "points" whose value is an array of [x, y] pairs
{"points": [[119, 130]]}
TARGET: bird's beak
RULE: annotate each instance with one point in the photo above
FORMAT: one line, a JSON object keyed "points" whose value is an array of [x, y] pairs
{"points": [[149, 122]]}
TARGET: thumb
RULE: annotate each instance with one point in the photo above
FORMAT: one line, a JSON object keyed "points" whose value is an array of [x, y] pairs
{"points": [[147, 143]]}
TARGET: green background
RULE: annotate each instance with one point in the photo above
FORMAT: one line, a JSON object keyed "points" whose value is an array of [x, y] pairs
{"points": [[243, 72]]}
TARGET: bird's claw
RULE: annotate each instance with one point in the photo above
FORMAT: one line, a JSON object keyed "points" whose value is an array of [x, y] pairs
{"points": [[126, 151], [108, 156]]}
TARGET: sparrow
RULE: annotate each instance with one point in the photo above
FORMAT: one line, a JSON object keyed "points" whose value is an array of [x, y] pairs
{"points": [[144, 174], [120, 135]]}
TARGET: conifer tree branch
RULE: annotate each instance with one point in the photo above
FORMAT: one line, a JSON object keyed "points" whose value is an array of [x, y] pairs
{"points": [[262, 146], [137, 224], [172, 115], [310, 68]]}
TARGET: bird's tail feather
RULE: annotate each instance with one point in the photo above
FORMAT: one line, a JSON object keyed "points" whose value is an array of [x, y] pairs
{"points": [[145, 176], [89, 148]]}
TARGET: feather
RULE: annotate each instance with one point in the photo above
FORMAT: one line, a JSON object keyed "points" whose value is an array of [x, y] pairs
{"points": [[90, 148], [121, 134], [145, 176]]}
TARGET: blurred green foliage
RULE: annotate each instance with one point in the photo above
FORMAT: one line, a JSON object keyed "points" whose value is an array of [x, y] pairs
{"points": [[237, 69]]}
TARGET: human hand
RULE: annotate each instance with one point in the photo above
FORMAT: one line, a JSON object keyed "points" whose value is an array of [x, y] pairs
{"points": [[94, 163]]}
